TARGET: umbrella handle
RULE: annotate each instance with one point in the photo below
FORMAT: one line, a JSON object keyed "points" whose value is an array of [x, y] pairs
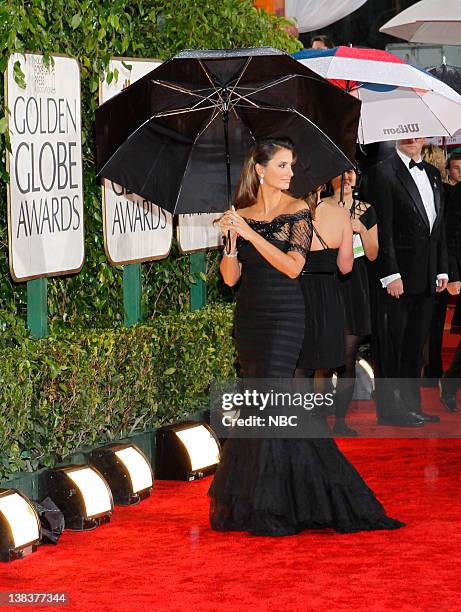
{"points": [[225, 120]]}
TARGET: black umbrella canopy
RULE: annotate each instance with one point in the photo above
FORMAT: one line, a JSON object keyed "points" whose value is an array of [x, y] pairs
{"points": [[168, 136], [451, 75]]}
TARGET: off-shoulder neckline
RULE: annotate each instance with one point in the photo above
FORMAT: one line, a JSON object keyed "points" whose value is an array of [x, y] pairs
{"points": [[298, 212]]}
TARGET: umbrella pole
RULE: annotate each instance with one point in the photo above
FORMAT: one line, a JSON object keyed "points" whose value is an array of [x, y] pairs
{"points": [[341, 196], [225, 119], [228, 165]]}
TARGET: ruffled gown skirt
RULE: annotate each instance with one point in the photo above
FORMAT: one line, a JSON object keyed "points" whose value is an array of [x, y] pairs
{"points": [[282, 486]]}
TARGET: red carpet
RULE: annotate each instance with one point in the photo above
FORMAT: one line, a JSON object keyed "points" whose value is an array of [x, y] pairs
{"points": [[162, 555], [362, 417]]}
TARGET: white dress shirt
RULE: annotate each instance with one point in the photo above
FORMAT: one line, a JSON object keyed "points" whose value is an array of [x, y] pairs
{"points": [[427, 196]]}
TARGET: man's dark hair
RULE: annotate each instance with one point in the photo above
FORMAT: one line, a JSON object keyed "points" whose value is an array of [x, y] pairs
{"points": [[322, 38], [453, 157]]}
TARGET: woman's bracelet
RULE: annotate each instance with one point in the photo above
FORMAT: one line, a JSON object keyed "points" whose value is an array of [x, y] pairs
{"points": [[230, 254]]}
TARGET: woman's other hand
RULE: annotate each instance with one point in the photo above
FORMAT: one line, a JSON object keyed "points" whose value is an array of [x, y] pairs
{"points": [[357, 226]]}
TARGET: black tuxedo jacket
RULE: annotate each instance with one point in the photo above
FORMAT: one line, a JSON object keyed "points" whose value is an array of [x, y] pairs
{"points": [[406, 244], [454, 234]]}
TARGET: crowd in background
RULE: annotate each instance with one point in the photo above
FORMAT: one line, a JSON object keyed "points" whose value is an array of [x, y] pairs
{"points": [[395, 297]]}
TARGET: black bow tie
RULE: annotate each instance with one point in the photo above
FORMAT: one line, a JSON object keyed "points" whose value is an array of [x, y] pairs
{"points": [[419, 165]]}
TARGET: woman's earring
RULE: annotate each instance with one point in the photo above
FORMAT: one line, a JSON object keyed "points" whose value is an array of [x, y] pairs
{"points": [[261, 179]]}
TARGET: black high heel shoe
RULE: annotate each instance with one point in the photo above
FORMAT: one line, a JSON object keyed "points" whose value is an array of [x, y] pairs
{"points": [[340, 428], [448, 400]]}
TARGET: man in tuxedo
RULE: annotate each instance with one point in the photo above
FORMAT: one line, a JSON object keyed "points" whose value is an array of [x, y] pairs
{"points": [[451, 380], [411, 267]]}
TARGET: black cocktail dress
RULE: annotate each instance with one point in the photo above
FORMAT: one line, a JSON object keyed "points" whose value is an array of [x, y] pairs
{"points": [[323, 346], [354, 286]]}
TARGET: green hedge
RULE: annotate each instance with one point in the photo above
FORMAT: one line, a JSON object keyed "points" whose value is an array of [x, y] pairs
{"points": [[86, 388], [92, 32]]}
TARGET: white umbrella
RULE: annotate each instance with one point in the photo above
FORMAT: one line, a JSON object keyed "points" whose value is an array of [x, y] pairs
{"points": [[428, 21], [398, 100], [313, 15]]}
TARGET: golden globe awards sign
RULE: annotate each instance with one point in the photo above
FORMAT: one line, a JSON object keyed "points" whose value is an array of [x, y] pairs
{"points": [[135, 229], [45, 193], [199, 231]]}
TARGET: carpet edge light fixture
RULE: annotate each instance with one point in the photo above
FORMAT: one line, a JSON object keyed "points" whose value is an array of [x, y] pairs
{"points": [[186, 451], [82, 494], [20, 528], [127, 471]]}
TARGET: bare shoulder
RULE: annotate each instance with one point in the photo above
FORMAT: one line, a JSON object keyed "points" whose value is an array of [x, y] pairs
{"points": [[333, 210], [245, 212], [330, 205], [329, 201], [294, 205], [344, 212]]}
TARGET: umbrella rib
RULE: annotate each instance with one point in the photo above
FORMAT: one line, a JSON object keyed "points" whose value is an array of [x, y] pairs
{"points": [[241, 96], [240, 76], [181, 111], [267, 85], [213, 117], [202, 99], [318, 78], [293, 110], [211, 81], [432, 112], [237, 102], [215, 114], [231, 103], [178, 88], [194, 93], [251, 92], [325, 135]]}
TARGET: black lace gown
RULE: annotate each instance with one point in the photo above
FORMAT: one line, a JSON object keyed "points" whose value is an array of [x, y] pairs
{"points": [[281, 486], [269, 315]]}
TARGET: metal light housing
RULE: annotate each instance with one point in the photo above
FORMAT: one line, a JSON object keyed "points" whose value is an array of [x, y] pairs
{"points": [[127, 471], [20, 529], [82, 494], [186, 451]]}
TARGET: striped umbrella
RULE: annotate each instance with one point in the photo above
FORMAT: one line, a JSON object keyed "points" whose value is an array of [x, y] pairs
{"points": [[398, 100]]}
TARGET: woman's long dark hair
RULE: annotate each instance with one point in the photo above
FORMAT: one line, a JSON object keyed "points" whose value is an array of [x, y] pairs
{"points": [[261, 153]]}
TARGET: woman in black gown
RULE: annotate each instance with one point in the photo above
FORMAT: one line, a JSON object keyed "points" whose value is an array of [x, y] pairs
{"points": [[278, 486]]}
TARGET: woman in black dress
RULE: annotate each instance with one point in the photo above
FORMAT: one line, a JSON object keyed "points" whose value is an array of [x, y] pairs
{"points": [[323, 348], [355, 291], [278, 486]]}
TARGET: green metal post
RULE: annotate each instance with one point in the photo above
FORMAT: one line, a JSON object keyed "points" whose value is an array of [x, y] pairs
{"points": [[132, 290], [197, 291], [37, 307]]}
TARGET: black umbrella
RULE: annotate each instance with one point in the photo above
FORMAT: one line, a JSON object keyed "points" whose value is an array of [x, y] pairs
{"points": [[178, 136], [451, 75]]}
